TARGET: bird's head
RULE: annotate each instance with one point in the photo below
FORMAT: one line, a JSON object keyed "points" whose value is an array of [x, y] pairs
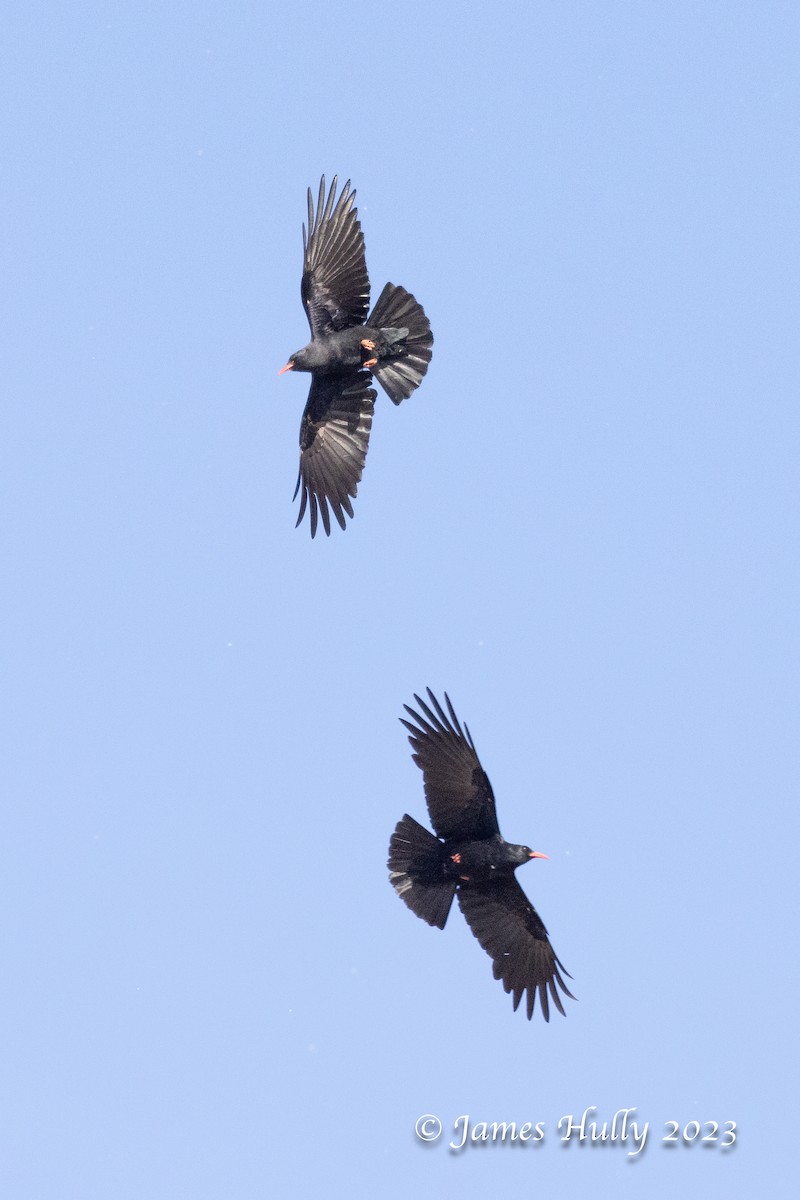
{"points": [[301, 360], [525, 854]]}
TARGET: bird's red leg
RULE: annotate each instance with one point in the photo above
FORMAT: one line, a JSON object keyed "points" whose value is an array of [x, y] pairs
{"points": [[456, 858], [368, 344]]}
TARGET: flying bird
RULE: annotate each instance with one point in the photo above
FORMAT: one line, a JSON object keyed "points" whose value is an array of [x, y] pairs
{"points": [[469, 857], [346, 350]]}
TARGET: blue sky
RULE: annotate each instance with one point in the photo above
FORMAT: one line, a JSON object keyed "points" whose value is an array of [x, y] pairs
{"points": [[582, 526]]}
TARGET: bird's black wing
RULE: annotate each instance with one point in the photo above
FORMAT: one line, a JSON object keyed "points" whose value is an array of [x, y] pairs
{"points": [[335, 285], [334, 435], [513, 935], [457, 789]]}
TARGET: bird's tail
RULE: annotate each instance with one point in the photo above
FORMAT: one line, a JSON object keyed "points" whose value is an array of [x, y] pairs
{"points": [[415, 872], [403, 370]]}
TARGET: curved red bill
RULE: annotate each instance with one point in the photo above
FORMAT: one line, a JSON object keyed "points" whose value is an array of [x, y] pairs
{"points": [[288, 367]]}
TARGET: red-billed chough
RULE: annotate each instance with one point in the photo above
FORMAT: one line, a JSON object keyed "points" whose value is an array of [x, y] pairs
{"points": [[469, 856], [346, 349]]}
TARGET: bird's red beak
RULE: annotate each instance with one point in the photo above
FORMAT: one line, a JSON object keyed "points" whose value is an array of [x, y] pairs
{"points": [[288, 367], [536, 854]]}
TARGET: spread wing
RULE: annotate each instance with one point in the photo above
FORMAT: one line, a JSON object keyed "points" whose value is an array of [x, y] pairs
{"points": [[513, 935], [335, 284], [457, 789], [334, 435]]}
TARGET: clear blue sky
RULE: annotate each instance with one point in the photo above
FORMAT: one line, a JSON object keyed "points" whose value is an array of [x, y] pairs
{"points": [[583, 526]]}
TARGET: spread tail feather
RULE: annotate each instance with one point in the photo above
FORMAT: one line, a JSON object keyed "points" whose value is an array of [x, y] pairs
{"points": [[403, 371], [415, 872]]}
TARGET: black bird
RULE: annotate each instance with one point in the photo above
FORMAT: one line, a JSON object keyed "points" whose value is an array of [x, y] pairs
{"points": [[346, 349], [469, 856]]}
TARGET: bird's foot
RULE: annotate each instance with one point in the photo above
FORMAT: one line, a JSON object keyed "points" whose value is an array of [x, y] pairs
{"points": [[368, 344], [456, 858]]}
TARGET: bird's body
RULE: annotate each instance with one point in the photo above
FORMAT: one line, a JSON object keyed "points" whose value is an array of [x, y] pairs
{"points": [[468, 857], [477, 862], [346, 350]]}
